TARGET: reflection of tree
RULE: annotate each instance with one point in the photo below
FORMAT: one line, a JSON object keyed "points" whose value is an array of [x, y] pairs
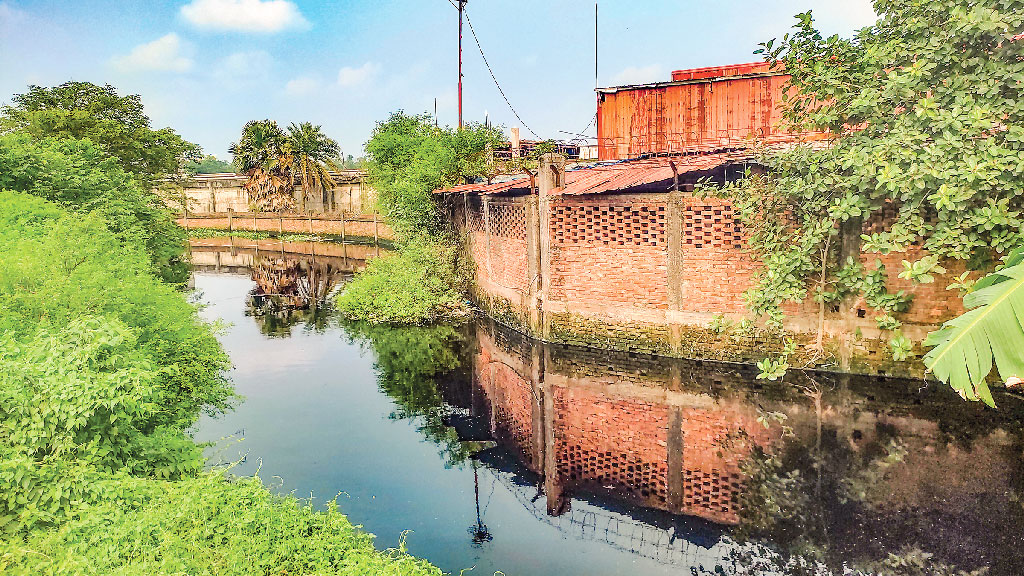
{"points": [[411, 364], [828, 497], [290, 290]]}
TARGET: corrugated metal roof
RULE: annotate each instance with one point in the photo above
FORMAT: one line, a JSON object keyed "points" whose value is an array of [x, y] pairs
{"points": [[606, 178]]}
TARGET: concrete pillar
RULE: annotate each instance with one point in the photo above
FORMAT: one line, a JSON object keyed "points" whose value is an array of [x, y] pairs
{"points": [[676, 291], [550, 179], [534, 229], [487, 235], [553, 488]]}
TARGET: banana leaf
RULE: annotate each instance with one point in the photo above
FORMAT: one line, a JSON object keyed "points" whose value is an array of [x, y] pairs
{"points": [[992, 328]]}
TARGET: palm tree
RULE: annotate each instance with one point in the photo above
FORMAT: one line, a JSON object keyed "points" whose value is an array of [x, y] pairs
{"points": [[314, 156], [262, 154]]}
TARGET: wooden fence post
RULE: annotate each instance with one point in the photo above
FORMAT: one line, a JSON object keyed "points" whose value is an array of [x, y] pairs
{"points": [[375, 228], [342, 227], [231, 220]]}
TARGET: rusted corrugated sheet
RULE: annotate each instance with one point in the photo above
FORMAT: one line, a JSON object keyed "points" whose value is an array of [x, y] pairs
{"points": [[616, 177], [720, 71], [700, 112]]}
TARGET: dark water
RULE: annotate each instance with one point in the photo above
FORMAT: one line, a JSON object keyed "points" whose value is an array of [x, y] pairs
{"points": [[482, 449]]}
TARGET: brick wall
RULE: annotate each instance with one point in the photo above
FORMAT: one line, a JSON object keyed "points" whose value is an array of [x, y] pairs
{"points": [[609, 250], [648, 272]]}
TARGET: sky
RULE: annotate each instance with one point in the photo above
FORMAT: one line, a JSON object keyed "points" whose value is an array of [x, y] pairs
{"points": [[205, 67]]}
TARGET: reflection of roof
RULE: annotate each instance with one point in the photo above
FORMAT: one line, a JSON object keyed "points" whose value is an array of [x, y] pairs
{"points": [[604, 178]]}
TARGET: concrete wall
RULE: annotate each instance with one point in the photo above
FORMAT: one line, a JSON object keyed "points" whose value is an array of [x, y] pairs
{"points": [[649, 272], [221, 192]]}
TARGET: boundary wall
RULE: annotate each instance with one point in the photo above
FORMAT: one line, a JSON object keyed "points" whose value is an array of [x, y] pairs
{"points": [[648, 272]]}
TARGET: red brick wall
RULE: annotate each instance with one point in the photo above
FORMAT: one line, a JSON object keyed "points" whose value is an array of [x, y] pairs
{"points": [[716, 268], [500, 255], [610, 250]]}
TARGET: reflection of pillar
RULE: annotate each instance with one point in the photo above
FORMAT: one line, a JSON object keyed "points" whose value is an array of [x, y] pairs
{"points": [[553, 489], [675, 459], [537, 405]]}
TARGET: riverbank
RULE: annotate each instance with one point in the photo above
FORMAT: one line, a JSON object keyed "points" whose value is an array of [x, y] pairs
{"points": [[103, 371]]}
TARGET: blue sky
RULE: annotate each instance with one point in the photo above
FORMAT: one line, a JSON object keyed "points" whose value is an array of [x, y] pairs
{"points": [[205, 67]]}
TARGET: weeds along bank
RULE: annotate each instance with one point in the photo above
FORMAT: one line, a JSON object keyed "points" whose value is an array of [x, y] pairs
{"points": [[103, 367]]}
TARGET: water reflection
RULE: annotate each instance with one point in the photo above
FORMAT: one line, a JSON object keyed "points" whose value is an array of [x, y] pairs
{"points": [[550, 459], [844, 471]]}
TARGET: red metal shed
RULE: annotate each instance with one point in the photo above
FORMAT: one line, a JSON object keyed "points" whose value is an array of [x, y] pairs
{"points": [[701, 109]]}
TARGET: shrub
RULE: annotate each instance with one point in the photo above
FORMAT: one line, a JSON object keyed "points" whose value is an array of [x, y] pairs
{"points": [[58, 267], [79, 176], [419, 284]]}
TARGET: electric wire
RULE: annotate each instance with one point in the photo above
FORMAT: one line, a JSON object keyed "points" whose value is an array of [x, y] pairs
{"points": [[493, 77]]}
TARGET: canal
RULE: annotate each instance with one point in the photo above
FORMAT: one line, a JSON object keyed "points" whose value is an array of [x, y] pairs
{"points": [[476, 448]]}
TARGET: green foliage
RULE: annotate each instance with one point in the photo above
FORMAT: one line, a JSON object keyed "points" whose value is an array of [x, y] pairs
{"points": [[117, 124], [926, 120], [80, 177], [409, 157], [313, 156], [103, 368], [260, 154], [273, 158], [410, 360], [419, 284], [202, 525], [209, 164], [59, 266], [993, 326]]}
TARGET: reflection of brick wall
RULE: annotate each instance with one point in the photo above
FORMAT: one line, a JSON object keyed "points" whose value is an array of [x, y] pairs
{"points": [[612, 444], [715, 441], [511, 400]]}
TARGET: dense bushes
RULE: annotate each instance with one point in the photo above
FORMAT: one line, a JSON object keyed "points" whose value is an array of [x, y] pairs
{"points": [[80, 177], [103, 368], [204, 525], [58, 266], [420, 284], [426, 280]]}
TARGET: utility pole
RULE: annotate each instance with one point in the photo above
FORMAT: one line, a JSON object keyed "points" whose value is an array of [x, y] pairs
{"points": [[462, 7]]}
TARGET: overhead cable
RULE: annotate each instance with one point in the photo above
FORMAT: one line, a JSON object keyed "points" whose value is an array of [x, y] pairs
{"points": [[493, 77]]}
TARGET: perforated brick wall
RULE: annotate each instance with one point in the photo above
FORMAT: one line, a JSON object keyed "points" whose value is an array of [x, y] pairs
{"points": [[716, 268], [613, 444], [609, 251], [608, 225]]}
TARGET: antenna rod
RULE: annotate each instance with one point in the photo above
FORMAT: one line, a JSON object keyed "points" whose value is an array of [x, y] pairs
{"points": [[462, 6], [595, 46]]}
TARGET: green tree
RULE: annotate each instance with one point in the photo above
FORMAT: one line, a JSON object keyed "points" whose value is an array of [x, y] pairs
{"points": [[409, 157], [313, 156], [209, 165], [926, 126], [117, 124], [81, 177], [261, 153]]}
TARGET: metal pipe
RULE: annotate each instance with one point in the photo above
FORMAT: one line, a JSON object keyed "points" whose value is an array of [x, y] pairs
{"points": [[462, 7]]}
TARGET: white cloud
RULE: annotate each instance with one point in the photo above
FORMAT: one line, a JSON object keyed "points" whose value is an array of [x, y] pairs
{"points": [[244, 15], [640, 75], [242, 67], [348, 76], [166, 54], [302, 86]]}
